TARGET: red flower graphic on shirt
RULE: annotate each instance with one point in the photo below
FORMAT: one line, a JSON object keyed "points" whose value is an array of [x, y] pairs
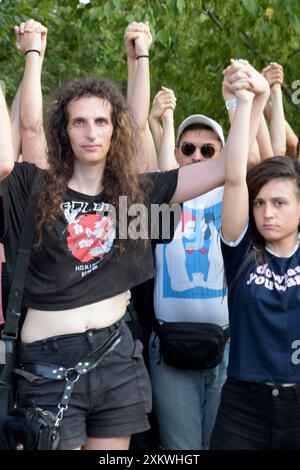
{"points": [[90, 236]]}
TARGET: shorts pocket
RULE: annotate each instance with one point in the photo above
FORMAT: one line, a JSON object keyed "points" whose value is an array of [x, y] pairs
{"points": [[44, 392], [142, 375], [26, 391]]}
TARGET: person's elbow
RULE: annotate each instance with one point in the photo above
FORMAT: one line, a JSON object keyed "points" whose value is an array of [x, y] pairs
{"points": [[167, 166], [31, 128]]}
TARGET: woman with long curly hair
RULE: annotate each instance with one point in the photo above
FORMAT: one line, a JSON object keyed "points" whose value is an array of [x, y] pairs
{"points": [[85, 258]]}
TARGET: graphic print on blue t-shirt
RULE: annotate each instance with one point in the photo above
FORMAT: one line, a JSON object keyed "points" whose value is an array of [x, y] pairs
{"points": [[192, 262], [90, 232]]}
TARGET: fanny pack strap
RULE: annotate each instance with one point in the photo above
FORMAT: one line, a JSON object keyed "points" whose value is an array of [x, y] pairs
{"points": [[226, 330], [72, 374]]}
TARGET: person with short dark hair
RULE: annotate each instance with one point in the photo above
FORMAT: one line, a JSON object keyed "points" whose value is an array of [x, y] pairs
{"points": [[260, 407]]}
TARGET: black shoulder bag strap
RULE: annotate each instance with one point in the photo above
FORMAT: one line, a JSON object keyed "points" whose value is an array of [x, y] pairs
{"points": [[13, 311]]}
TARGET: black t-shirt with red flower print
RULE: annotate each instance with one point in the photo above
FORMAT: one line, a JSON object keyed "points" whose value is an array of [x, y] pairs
{"points": [[79, 262]]}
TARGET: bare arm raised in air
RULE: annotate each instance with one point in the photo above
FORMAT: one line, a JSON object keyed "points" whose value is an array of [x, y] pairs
{"points": [[199, 178], [6, 146], [292, 142], [274, 74], [260, 143], [138, 41], [245, 82], [15, 123], [291, 137], [32, 36], [231, 102], [162, 111]]}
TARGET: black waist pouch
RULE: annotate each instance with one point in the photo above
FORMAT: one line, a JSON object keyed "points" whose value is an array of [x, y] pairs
{"points": [[188, 345]]}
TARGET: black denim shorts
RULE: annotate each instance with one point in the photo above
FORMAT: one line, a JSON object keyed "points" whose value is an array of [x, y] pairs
{"points": [[111, 400]]}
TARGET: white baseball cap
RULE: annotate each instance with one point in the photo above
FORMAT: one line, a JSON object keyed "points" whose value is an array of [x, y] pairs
{"points": [[200, 119]]}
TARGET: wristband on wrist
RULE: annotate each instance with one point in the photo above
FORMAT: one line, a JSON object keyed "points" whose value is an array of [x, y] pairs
{"points": [[140, 56], [33, 50], [231, 103]]}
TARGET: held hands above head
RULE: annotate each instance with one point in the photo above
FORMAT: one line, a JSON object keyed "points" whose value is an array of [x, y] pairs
{"points": [[237, 80], [162, 112], [31, 35], [164, 104], [244, 81], [137, 39], [273, 72], [280, 131], [228, 96]]}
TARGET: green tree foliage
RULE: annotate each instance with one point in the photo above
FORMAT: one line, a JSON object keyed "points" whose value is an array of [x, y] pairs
{"points": [[193, 42]]}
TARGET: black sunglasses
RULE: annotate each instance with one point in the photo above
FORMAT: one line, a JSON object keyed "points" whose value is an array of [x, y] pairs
{"points": [[188, 149]]}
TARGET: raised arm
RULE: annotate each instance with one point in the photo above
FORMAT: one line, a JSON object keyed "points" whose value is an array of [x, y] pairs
{"points": [[15, 123], [260, 144], [138, 41], [31, 36], [230, 102], [257, 122], [162, 111], [274, 74], [132, 32], [292, 142], [6, 145], [154, 121], [244, 82], [264, 140], [199, 178], [291, 138]]}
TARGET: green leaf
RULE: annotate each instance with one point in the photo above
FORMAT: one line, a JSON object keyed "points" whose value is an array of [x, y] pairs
{"points": [[96, 13], [251, 6], [295, 23], [108, 9], [180, 5], [163, 37]]}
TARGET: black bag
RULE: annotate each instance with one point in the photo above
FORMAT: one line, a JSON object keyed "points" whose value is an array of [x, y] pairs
{"points": [[7, 377], [6, 382], [9, 333], [195, 346], [31, 428]]}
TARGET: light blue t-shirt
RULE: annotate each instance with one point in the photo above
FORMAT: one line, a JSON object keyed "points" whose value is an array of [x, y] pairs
{"points": [[189, 281]]}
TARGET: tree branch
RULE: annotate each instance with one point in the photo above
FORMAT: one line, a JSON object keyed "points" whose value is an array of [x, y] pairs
{"points": [[293, 53], [208, 12]]}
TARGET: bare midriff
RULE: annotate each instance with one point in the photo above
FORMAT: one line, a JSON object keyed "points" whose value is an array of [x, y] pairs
{"points": [[40, 324]]}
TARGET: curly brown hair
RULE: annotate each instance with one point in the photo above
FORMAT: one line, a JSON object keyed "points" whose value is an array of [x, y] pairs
{"points": [[120, 177]]}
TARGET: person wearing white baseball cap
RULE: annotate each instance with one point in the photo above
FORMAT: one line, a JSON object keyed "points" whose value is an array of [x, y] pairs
{"points": [[198, 138], [189, 288], [201, 119]]}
